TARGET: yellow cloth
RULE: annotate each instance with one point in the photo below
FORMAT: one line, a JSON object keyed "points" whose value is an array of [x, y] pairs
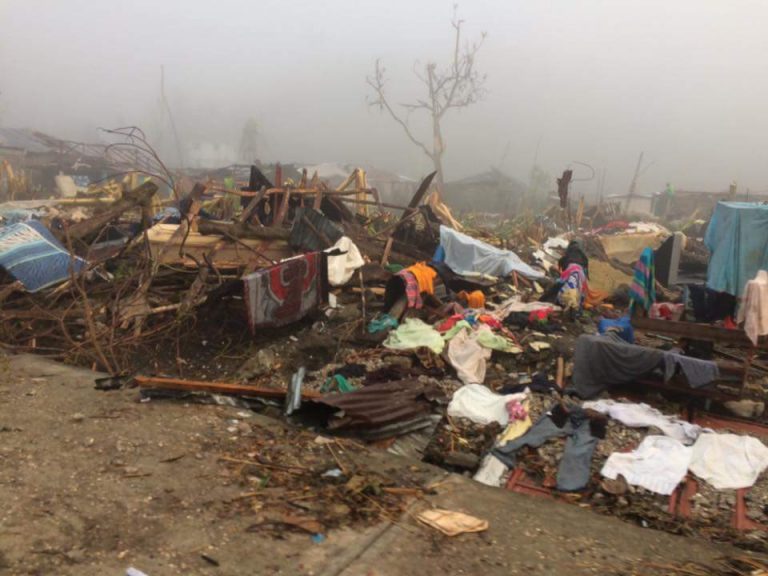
{"points": [[474, 299], [515, 428], [425, 276]]}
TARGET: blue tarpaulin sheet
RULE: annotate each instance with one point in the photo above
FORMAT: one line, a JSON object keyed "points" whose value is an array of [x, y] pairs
{"points": [[737, 237], [30, 253], [464, 254]]}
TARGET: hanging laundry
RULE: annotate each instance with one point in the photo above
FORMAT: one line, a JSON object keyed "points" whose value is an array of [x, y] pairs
{"points": [[729, 461], [736, 237], [414, 333], [659, 464], [642, 292], [286, 292], [344, 259], [753, 310]]}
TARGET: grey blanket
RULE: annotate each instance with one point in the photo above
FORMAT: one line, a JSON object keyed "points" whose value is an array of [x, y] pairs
{"points": [[604, 361]]}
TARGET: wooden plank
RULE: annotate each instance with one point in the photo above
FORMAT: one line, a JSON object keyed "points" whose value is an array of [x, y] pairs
{"points": [[694, 331], [216, 387], [283, 208]]}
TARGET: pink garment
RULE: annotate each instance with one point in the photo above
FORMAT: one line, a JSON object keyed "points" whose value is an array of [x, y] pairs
{"points": [[753, 310]]}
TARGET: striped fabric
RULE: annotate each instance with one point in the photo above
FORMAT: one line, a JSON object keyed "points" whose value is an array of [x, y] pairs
{"points": [[412, 291], [30, 253], [643, 288]]}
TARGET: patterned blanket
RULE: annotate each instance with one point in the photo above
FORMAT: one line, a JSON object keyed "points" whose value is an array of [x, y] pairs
{"points": [[30, 253], [286, 292]]}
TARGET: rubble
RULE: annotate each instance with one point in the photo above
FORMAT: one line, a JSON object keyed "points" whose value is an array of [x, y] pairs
{"points": [[350, 316]]}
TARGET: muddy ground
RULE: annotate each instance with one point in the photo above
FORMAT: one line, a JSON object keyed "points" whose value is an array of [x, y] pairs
{"points": [[94, 482]]}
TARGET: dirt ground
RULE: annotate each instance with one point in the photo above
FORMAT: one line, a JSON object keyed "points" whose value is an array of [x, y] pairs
{"points": [[94, 482]]}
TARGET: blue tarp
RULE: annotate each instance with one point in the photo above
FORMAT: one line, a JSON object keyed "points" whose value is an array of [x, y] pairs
{"points": [[464, 254], [30, 253], [737, 237]]}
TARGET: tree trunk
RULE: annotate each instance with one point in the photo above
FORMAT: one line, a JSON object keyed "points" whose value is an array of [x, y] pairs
{"points": [[438, 147]]}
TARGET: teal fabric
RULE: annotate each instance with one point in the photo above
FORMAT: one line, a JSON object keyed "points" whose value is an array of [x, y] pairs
{"points": [[737, 237], [337, 381], [383, 322], [643, 288]]}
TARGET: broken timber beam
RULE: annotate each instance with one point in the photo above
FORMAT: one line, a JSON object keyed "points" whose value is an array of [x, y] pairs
{"points": [[415, 201], [137, 197], [242, 230], [216, 388]]}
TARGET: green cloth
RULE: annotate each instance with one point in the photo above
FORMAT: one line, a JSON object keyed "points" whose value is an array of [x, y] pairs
{"points": [[339, 382], [488, 339], [394, 268], [456, 328], [414, 333]]}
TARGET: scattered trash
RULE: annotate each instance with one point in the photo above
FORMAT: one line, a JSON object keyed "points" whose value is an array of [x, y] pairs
{"points": [[452, 523]]}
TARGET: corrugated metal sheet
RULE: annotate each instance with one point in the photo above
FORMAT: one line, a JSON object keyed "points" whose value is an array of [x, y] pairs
{"points": [[383, 410]]}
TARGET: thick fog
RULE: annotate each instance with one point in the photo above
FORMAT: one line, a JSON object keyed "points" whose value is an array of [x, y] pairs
{"points": [[590, 81]]}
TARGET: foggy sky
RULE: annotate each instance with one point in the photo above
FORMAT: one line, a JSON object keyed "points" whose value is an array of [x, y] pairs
{"points": [[591, 81]]}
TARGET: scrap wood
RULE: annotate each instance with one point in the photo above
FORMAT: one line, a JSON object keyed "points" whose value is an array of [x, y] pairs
{"points": [[138, 197], [415, 201], [242, 230], [217, 388]]}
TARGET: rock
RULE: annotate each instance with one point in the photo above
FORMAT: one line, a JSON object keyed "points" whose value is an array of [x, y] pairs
{"points": [[261, 364], [78, 417], [746, 408], [348, 313], [401, 362]]}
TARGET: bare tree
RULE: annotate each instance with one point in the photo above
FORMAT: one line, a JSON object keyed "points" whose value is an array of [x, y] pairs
{"points": [[456, 85]]}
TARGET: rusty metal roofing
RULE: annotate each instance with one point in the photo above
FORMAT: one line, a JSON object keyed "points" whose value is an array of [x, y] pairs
{"points": [[382, 410]]}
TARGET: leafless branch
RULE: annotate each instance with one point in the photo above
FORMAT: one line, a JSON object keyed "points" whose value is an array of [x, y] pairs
{"points": [[378, 83]]}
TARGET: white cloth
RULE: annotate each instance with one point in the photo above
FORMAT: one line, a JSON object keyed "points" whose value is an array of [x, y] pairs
{"points": [[753, 310], [659, 464], [479, 404], [464, 254], [468, 357], [514, 304], [491, 471], [341, 267], [644, 416], [728, 461]]}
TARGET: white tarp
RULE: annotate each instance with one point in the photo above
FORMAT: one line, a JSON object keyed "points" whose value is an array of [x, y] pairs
{"points": [[466, 255]]}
